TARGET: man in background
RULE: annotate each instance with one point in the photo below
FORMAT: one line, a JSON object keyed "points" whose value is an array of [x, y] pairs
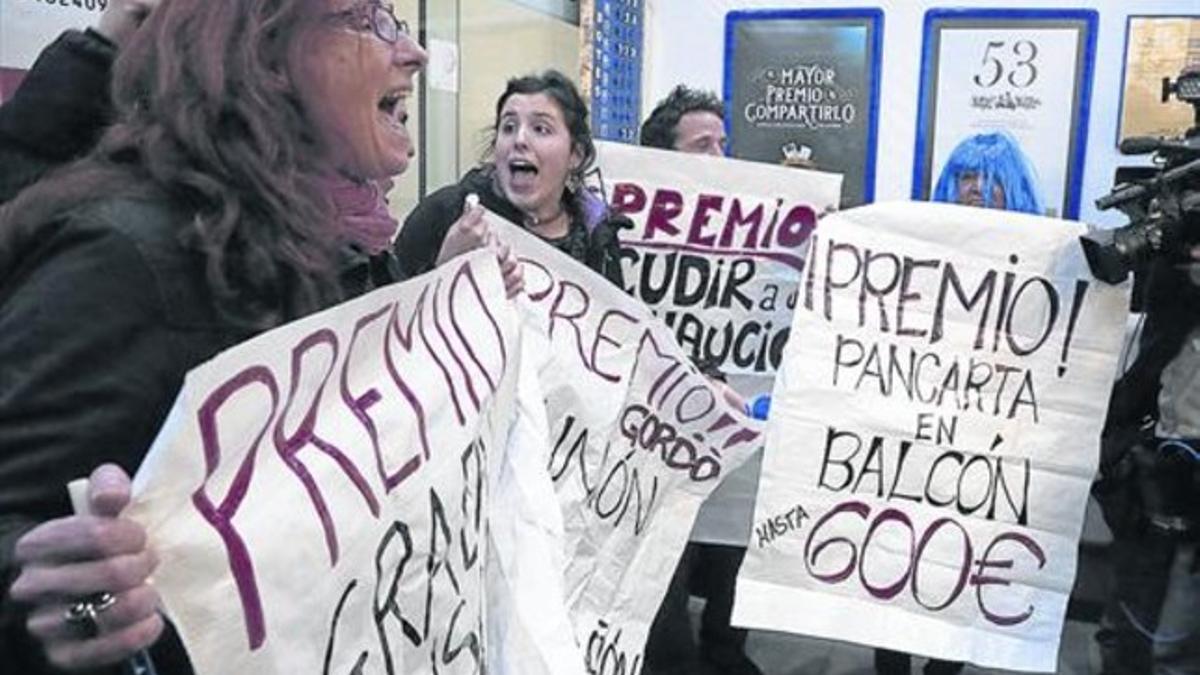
{"points": [[693, 121], [687, 120]]}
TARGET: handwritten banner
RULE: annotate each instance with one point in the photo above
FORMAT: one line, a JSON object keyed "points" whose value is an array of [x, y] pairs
{"points": [[637, 440], [318, 495], [934, 434], [717, 249], [674, 439], [321, 496]]}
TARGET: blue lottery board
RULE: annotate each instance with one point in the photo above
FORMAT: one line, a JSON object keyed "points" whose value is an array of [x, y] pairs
{"points": [[617, 70]]}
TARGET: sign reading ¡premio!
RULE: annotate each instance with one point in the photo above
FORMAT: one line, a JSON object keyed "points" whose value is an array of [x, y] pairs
{"points": [[933, 435]]}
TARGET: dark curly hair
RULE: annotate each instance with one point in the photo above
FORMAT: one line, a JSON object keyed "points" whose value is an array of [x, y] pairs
{"points": [[563, 91], [574, 109], [207, 116], [658, 131]]}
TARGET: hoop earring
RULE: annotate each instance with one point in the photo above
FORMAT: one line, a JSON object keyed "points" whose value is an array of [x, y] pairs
{"points": [[574, 182]]}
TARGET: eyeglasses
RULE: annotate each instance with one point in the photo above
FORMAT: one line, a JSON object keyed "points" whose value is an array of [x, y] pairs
{"points": [[374, 16]]}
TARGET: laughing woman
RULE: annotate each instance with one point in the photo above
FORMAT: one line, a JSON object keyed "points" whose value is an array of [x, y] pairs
{"points": [[236, 190], [541, 147]]}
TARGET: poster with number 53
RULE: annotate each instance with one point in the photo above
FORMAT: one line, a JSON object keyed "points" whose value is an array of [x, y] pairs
{"points": [[1004, 108]]}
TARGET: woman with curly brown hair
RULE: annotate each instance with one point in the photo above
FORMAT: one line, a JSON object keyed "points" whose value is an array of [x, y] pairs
{"points": [[240, 187]]}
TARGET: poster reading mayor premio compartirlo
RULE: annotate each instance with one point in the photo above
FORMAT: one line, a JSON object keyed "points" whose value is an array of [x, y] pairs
{"points": [[1003, 109], [802, 87]]}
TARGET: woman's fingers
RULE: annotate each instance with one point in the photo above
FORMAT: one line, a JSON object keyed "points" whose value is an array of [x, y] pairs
{"points": [[472, 224], [79, 538], [48, 622], [467, 233], [473, 218], [471, 232], [42, 583], [514, 285], [107, 647], [510, 269], [109, 490]]}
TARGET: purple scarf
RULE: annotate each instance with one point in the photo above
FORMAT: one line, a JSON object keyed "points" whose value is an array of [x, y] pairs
{"points": [[362, 213]]}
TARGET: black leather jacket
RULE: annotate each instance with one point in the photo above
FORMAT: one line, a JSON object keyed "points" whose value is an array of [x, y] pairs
{"points": [[58, 112]]}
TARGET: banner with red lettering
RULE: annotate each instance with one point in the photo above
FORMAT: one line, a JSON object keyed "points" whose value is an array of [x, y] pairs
{"points": [[319, 494], [637, 439], [356, 487], [717, 249], [934, 434]]}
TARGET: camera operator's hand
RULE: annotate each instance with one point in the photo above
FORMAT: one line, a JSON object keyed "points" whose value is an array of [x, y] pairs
{"points": [[122, 17]]}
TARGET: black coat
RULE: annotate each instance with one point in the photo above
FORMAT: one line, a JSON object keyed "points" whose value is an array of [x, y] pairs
{"points": [[426, 227], [58, 112], [98, 327]]}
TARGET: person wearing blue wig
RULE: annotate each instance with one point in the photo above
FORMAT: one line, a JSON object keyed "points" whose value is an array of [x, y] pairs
{"points": [[990, 170]]}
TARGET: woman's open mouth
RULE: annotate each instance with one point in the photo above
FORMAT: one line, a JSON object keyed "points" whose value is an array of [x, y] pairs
{"points": [[392, 108], [522, 173]]}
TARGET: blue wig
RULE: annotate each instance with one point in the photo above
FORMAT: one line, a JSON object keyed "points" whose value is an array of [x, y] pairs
{"points": [[997, 159]]}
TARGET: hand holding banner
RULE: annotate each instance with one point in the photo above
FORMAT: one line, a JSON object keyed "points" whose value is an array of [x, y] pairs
{"points": [[318, 495]]}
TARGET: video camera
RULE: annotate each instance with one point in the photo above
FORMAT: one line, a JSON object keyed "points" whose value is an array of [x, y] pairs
{"points": [[1161, 201]]}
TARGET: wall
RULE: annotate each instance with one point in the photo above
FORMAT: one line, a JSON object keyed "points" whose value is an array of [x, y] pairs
{"points": [[499, 39], [406, 190], [496, 40], [685, 42], [440, 128]]}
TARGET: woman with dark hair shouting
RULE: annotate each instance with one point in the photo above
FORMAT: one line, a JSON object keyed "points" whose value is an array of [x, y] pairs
{"points": [[540, 148]]}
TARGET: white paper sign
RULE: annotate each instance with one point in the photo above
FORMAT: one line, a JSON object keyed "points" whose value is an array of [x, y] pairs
{"points": [[529, 628], [637, 439], [717, 248], [318, 496], [322, 494], [934, 435]]}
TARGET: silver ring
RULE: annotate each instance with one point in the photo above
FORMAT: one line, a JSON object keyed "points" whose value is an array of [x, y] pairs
{"points": [[83, 613]]}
